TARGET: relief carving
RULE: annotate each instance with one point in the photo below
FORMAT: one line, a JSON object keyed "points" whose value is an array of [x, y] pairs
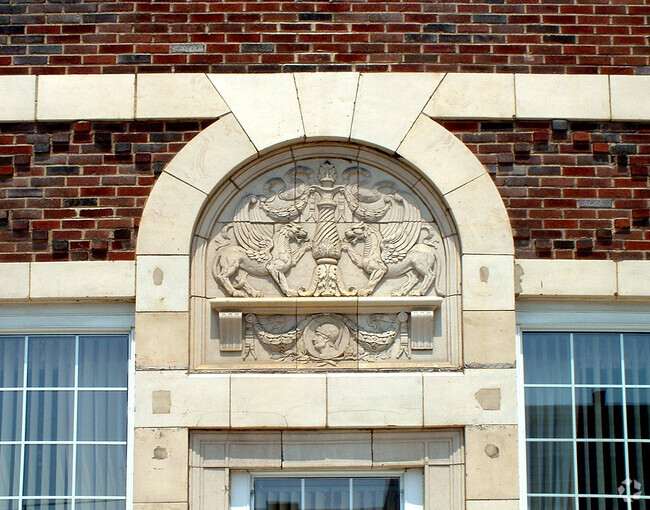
{"points": [[376, 227], [314, 262], [326, 338]]}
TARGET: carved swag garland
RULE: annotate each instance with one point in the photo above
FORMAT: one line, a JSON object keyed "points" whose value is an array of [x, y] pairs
{"points": [[379, 229]]}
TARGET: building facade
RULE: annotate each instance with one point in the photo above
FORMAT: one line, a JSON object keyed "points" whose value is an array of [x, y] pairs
{"points": [[417, 282]]}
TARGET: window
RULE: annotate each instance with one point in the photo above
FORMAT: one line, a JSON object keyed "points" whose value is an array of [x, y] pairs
{"points": [[323, 492], [587, 404], [65, 418]]}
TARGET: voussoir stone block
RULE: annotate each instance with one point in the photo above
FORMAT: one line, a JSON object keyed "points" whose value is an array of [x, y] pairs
{"points": [[387, 105], [105, 97], [278, 401], [327, 103], [630, 96], [162, 283], [15, 278], [208, 158], [473, 96], [374, 400], [83, 280], [550, 278], [160, 465], [492, 462], [266, 105], [183, 400], [177, 96], [481, 217], [556, 96], [168, 218], [18, 98], [439, 155]]}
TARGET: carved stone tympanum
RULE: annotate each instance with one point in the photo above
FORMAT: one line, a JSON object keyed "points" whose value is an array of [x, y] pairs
{"points": [[326, 262], [315, 213]]}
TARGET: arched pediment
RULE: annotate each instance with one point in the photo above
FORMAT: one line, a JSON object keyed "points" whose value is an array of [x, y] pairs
{"points": [[316, 200]]}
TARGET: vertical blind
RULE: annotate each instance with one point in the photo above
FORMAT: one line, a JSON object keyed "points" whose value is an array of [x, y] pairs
{"points": [[63, 422], [587, 398]]}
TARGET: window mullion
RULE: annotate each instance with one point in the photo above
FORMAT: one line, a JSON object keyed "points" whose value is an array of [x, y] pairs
{"points": [[574, 411], [23, 431], [74, 424], [626, 454]]}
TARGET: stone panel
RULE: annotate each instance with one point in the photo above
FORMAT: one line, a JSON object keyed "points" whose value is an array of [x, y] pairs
{"points": [[327, 103], [473, 96], [374, 400], [175, 205], [275, 401], [492, 462], [162, 284], [161, 340], [177, 96], [566, 278], [187, 400], [479, 396], [554, 96], [332, 450], [15, 276], [83, 280], [18, 98], [265, 105], [160, 465], [105, 97], [387, 105], [488, 282], [489, 338]]}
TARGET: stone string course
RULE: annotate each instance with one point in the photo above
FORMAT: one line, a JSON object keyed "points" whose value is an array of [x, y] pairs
{"points": [[75, 191], [523, 36]]}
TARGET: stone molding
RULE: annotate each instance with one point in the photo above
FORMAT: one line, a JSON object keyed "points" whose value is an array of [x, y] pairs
{"points": [[440, 454], [534, 279], [67, 281], [595, 279], [457, 96]]}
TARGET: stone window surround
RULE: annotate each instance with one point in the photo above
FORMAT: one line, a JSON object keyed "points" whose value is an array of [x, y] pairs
{"points": [[215, 455]]}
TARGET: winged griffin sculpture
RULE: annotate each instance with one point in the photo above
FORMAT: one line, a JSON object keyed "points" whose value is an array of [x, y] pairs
{"points": [[380, 230]]}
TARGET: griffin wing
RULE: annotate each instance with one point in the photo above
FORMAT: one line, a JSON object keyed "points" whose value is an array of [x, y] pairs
{"points": [[253, 230], [400, 230]]}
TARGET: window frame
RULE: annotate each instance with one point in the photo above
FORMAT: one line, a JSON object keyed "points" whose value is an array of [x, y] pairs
{"points": [[568, 317], [82, 319], [411, 483]]}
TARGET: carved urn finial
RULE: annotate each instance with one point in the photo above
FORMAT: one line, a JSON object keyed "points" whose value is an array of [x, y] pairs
{"points": [[327, 174]]}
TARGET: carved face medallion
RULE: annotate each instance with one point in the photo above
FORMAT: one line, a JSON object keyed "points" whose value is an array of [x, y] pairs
{"points": [[326, 337]]}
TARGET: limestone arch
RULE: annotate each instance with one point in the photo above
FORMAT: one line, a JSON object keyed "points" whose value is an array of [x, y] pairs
{"points": [[207, 163]]}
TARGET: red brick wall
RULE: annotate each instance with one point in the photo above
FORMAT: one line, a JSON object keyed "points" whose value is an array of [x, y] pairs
{"points": [[75, 191], [524, 36]]}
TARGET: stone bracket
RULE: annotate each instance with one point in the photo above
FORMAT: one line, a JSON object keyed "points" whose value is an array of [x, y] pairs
{"points": [[422, 330], [232, 332]]}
